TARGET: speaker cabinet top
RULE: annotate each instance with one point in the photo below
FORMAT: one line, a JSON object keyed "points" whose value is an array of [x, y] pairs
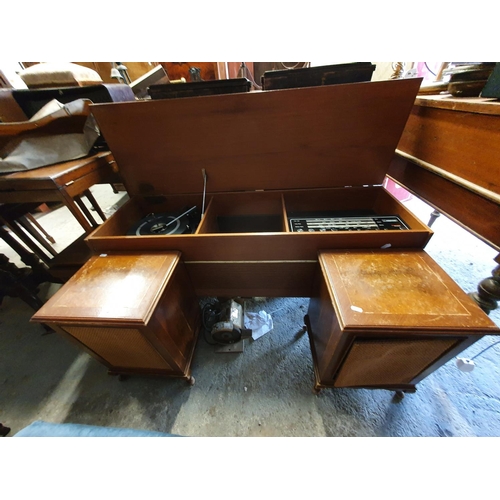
{"points": [[112, 289], [374, 289]]}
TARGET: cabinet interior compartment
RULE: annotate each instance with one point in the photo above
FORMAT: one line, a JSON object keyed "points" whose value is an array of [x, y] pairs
{"points": [[249, 212], [347, 202], [137, 208]]}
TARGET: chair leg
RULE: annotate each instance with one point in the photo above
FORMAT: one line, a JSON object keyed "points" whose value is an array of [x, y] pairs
{"points": [[17, 229], [40, 228], [26, 224], [85, 210], [94, 203]]}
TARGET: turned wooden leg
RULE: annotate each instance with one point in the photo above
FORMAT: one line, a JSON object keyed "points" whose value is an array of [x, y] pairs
{"points": [[434, 215], [488, 291]]}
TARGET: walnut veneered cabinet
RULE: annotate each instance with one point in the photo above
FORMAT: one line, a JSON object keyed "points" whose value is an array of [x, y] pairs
{"points": [[387, 319], [136, 313]]}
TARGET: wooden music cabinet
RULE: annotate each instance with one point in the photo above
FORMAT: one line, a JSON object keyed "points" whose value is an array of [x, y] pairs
{"points": [[135, 313], [266, 157], [386, 319]]}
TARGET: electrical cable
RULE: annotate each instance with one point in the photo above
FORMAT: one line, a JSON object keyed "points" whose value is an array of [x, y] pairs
{"points": [[249, 75], [429, 69], [304, 65], [485, 349], [209, 316]]}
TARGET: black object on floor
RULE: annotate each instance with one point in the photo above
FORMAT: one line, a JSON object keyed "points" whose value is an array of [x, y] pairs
{"points": [[4, 430]]}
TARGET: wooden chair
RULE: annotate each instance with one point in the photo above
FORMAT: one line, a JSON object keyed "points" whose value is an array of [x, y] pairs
{"points": [[18, 219]]}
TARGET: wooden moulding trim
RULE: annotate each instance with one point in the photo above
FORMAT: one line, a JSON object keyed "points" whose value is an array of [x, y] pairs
{"points": [[250, 261], [483, 106], [485, 193]]}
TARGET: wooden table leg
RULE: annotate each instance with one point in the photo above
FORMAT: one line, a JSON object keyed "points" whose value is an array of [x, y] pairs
{"points": [[434, 215], [488, 291]]}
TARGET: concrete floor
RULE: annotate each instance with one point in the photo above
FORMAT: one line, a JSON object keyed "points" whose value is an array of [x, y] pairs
{"points": [[264, 391]]}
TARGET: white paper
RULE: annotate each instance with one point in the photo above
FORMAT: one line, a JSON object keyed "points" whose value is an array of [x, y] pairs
{"points": [[260, 323], [39, 151]]}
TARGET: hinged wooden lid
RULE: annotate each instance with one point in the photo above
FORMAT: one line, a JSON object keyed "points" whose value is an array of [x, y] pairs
{"points": [[328, 136]]}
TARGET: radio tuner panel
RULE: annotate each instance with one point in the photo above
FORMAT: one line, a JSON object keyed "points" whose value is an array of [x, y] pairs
{"points": [[357, 223]]}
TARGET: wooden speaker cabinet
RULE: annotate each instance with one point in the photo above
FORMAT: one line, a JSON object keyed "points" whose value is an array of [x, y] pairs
{"points": [[134, 313], [387, 319]]}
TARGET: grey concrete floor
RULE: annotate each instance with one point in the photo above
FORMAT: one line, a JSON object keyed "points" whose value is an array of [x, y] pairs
{"points": [[264, 391]]}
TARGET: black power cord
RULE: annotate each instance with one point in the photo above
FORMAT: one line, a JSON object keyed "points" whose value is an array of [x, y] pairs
{"points": [[210, 314]]}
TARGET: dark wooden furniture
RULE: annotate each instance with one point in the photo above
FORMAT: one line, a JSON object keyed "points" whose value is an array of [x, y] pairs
{"points": [[65, 182], [267, 155], [17, 105], [387, 319], [319, 75], [193, 89], [136, 313], [449, 155], [18, 219]]}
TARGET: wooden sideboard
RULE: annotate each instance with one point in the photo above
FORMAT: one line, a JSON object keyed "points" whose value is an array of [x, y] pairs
{"points": [[449, 155]]}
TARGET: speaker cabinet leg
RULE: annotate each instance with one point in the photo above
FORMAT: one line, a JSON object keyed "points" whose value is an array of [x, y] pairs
{"points": [[399, 395]]}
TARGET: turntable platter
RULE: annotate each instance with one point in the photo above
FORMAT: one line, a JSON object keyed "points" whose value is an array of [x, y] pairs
{"points": [[163, 224]]}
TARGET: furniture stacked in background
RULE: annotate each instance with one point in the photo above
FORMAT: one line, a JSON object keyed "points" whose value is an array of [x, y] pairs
{"points": [[64, 181]]}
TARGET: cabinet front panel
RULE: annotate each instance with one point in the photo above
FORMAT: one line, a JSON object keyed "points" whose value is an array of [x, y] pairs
{"points": [[119, 347], [252, 279], [380, 362]]}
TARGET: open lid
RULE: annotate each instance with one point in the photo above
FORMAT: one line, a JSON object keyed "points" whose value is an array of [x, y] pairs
{"points": [[328, 136]]}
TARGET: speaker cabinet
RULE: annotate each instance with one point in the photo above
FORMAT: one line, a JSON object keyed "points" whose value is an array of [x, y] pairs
{"points": [[387, 319], [134, 313]]}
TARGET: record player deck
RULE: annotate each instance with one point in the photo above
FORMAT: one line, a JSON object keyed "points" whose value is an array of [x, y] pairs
{"points": [[184, 222]]}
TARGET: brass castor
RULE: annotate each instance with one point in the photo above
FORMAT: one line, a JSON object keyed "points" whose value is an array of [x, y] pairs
{"points": [[191, 380], [316, 390]]}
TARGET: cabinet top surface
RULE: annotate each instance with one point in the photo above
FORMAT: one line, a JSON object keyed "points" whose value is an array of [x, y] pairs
{"points": [[327, 136], [399, 289], [481, 105], [112, 288]]}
